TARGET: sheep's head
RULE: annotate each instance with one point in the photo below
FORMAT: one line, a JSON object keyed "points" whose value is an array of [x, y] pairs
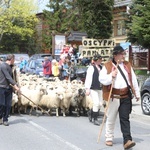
{"points": [[60, 96], [81, 92], [42, 91], [15, 98]]}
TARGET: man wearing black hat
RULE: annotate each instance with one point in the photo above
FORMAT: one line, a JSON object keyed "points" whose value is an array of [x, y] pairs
{"points": [[119, 74], [93, 87]]}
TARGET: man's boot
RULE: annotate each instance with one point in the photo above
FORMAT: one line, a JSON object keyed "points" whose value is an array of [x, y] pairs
{"points": [[95, 116], [90, 114]]}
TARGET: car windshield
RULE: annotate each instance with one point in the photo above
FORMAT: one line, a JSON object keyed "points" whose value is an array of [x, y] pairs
{"points": [[39, 56], [39, 63], [18, 57]]}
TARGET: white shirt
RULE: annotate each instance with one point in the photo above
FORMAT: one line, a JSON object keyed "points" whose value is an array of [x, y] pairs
{"points": [[89, 76], [119, 82]]}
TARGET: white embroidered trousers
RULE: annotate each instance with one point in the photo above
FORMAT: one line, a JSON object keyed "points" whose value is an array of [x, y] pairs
{"points": [[96, 96], [111, 118]]}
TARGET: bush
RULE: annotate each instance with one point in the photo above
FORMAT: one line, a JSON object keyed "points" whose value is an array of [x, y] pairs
{"points": [[141, 72]]}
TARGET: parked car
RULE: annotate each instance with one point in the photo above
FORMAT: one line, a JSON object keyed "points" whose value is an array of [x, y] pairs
{"points": [[19, 58], [85, 61], [41, 55], [34, 66], [145, 97], [80, 73], [3, 57]]}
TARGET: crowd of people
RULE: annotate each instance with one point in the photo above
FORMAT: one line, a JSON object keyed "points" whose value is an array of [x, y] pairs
{"points": [[112, 83], [70, 50], [64, 69]]}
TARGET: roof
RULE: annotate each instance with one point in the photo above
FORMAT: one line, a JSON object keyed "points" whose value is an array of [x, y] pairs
{"points": [[119, 3], [76, 36]]}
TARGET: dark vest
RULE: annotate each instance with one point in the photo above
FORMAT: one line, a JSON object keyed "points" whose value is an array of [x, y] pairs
{"points": [[96, 85]]}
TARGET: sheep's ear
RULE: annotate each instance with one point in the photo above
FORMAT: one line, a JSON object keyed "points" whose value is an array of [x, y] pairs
{"points": [[84, 90], [58, 94], [42, 91]]}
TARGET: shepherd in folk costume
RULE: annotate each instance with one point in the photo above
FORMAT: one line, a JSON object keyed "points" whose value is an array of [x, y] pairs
{"points": [[121, 74], [93, 87]]}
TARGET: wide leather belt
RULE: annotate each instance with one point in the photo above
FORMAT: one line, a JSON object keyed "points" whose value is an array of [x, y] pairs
{"points": [[119, 96], [123, 91], [119, 93]]}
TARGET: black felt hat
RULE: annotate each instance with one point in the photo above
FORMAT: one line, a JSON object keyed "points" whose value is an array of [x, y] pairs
{"points": [[117, 49], [96, 57]]}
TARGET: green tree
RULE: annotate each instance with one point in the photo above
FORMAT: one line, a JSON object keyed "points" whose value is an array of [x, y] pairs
{"points": [[62, 17], [17, 19], [91, 16], [138, 23], [97, 17], [13, 43]]}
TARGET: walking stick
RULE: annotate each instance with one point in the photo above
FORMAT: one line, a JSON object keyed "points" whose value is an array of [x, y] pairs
{"points": [[32, 101], [102, 125]]}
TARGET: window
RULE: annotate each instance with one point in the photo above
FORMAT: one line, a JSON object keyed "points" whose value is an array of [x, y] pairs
{"points": [[119, 28]]}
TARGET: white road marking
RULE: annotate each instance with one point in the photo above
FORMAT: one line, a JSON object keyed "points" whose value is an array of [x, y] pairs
{"points": [[53, 135]]}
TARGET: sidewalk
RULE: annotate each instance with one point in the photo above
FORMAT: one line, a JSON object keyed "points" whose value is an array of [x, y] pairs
{"points": [[136, 109]]}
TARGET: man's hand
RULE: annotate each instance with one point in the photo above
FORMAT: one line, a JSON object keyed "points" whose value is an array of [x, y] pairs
{"points": [[137, 99], [114, 72], [87, 92], [16, 88]]}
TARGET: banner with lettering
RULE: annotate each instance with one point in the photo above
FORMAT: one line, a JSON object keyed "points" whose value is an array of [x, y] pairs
{"points": [[93, 46]]}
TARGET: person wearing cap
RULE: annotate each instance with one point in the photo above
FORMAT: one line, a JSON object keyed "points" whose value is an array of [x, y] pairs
{"points": [[6, 91], [93, 87], [120, 100]]}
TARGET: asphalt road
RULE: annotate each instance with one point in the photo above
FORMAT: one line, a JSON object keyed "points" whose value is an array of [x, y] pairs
{"points": [[67, 133]]}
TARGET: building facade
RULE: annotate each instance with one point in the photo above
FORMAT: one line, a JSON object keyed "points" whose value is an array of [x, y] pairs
{"points": [[120, 8]]}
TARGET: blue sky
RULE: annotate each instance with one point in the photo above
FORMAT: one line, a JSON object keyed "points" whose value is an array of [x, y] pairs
{"points": [[42, 5]]}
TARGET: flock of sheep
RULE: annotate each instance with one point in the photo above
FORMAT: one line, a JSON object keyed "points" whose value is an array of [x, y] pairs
{"points": [[53, 95]]}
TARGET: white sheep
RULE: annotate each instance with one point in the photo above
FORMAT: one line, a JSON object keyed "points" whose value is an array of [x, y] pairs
{"points": [[51, 100], [65, 103], [30, 97], [14, 101], [87, 102], [35, 96], [24, 101]]}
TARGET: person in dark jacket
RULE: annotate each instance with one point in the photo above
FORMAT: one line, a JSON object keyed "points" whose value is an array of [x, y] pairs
{"points": [[6, 91], [93, 87], [47, 67]]}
